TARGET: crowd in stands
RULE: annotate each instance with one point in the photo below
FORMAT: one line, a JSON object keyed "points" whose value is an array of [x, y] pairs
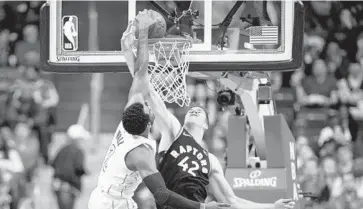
{"points": [[27, 101]]}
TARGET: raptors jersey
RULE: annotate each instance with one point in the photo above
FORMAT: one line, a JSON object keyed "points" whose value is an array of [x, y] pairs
{"points": [[114, 173], [185, 168]]}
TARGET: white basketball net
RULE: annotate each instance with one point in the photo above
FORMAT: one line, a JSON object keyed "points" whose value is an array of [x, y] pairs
{"points": [[168, 68]]}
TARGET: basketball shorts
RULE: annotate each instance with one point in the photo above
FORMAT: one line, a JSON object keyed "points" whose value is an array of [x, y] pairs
{"points": [[99, 199]]}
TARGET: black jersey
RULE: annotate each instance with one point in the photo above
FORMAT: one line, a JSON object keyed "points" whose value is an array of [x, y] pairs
{"points": [[185, 168]]}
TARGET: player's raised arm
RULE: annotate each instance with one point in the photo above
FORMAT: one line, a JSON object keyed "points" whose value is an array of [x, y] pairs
{"points": [[139, 69], [163, 118], [222, 191], [142, 160]]}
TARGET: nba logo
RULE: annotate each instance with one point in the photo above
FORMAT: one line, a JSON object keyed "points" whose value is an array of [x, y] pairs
{"points": [[70, 33]]}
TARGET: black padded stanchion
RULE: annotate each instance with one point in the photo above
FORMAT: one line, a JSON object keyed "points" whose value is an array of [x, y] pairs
{"points": [[265, 185]]}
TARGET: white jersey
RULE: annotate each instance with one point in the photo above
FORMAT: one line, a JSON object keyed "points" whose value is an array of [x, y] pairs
{"points": [[114, 172]]}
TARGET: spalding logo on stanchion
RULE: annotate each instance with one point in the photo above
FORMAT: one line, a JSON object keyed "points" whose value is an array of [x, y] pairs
{"points": [[269, 178], [255, 174]]}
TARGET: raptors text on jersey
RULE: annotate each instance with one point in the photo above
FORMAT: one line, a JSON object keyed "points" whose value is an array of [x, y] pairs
{"points": [[196, 165], [185, 168]]}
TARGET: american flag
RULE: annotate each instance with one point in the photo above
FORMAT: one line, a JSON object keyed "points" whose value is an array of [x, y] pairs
{"points": [[264, 35]]}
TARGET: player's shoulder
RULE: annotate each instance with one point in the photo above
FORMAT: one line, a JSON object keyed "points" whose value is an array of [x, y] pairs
{"points": [[212, 158], [140, 154]]}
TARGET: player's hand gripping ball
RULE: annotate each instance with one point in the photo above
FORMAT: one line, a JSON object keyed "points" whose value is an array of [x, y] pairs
{"points": [[128, 37], [152, 21]]}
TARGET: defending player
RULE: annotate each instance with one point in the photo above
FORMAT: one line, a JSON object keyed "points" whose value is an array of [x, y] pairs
{"points": [[131, 157], [186, 167]]}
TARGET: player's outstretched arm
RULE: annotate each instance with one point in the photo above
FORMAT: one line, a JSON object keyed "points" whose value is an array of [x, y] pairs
{"points": [[141, 88], [163, 118], [222, 191], [139, 69], [142, 159]]}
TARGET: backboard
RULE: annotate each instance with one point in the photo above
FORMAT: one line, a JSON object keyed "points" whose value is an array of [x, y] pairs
{"points": [[84, 36]]}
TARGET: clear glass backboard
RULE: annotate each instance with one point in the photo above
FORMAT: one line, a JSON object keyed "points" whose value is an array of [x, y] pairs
{"points": [[83, 36]]}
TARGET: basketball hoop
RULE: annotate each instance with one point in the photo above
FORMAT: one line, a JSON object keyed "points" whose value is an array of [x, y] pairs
{"points": [[168, 67]]}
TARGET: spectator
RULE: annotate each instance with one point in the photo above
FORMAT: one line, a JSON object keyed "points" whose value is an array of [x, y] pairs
{"points": [[335, 58], [328, 147], [359, 43], [345, 160], [309, 178], [22, 108], [330, 179], [45, 93], [318, 14], [301, 142], [351, 87], [319, 88], [27, 51], [4, 46], [33, 101], [334, 130], [4, 102], [358, 174], [351, 93], [33, 12], [5, 197], [69, 168], [306, 153], [348, 199], [313, 49], [10, 160], [46, 96]]}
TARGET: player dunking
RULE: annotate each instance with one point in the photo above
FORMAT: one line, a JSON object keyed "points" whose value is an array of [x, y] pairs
{"points": [[69, 31], [186, 167], [131, 157]]}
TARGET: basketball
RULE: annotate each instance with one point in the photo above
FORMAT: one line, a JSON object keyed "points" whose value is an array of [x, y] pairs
{"points": [[156, 30]]}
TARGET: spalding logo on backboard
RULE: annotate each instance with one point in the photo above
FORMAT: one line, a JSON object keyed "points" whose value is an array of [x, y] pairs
{"points": [[70, 33]]}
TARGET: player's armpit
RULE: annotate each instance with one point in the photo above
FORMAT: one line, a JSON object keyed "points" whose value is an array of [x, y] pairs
{"points": [[134, 98], [168, 123]]}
